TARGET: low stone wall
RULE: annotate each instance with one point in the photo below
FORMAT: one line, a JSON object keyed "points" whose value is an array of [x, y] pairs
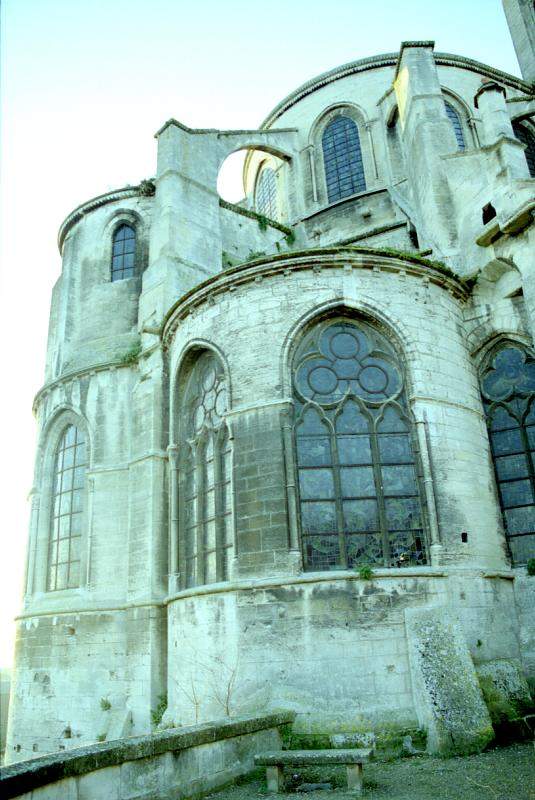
{"points": [[177, 763]]}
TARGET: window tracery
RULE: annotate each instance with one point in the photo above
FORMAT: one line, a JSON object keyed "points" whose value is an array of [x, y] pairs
{"points": [[64, 548], [358, 486], [342, 159], [508, 389], [206, 539]]}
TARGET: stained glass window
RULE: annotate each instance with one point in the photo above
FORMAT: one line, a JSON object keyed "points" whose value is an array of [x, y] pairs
{"points": [[526, 137], [359, 492], [266, 193], [123, 253], [508, 388], [206, 539], [457, 125], [67, 511], [342, 159]]}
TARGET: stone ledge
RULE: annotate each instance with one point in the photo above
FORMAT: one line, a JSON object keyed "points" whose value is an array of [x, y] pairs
{"points": [[29, 775]]}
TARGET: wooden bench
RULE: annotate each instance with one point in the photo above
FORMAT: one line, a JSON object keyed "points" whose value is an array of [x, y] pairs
{"points": [[276, 760]]}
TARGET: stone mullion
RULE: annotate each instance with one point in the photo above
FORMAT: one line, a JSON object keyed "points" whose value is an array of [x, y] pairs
{"points": [[338, 498], [199, 500], [378, 480], [424, 454], [218, 507]]}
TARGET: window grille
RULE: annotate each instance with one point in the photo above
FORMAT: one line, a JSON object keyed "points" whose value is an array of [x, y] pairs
{"points": [[67, 511], [123, 254], [342, 158], [206, 538], [266, 193], [359, 491], [457, 125], [526, 137], [508, 389]]}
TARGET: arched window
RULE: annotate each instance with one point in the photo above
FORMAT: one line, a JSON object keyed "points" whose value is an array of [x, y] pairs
{"points": [[456, 124], [206, 538], [358, 488], [124, 251], [508, 389], [266, 193], [67, 510], [526, 137], [342, 158]]}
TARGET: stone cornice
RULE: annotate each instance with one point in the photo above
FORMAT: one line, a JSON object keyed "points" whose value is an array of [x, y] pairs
{"points": [[75, 375], [389, 60], [143, 189], [313, 259]]}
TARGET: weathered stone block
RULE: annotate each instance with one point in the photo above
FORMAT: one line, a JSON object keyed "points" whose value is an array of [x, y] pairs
{"points": [[505, 689], [445, 688]]}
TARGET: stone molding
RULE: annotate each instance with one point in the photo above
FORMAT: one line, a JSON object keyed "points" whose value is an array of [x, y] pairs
{"points": [[27, 776], [254, 584], [140, 190], [314, 259], [389, 60], [75, 375]]}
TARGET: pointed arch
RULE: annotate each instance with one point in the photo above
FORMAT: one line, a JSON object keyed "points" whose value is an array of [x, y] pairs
{"points": [[507, 380], [205, 530], [360, 497]]}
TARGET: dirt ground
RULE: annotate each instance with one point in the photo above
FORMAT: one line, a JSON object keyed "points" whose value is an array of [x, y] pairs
{"points": [[506, 773]]}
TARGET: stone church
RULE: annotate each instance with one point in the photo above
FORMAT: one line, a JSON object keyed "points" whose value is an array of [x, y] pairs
{"points": [[286, 452]]}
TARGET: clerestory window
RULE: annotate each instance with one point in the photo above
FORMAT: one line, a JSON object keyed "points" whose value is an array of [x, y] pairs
{"points": [[508, 389], [457, 126], [123, 253], [526, 137], [67, 510], [359, 492], [266, 194], [342, 159], [206, 537]]}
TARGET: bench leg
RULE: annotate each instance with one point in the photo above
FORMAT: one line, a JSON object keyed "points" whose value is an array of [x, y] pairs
{"points": [[274, 778], [354, 777]]}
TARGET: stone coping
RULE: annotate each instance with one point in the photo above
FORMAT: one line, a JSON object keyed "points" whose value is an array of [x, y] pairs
{"points": [[328, 257], [34, 773]]}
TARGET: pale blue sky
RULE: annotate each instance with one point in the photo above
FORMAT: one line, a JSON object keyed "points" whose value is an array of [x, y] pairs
{"points": [[86, 83]]}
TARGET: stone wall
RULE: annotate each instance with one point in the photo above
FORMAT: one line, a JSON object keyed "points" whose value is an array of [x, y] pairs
{"points": [[168, 765]]}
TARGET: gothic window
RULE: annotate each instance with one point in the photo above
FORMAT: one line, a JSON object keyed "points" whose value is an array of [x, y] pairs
{"points": [[342, 158], [123, 253], [67, 510], [508, 389], [358, 486], [266, 193], [206, 538], [526, 137], [455, 120]]}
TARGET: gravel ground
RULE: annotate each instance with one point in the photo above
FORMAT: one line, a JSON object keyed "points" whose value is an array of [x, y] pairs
{"points": [[506, 773]]}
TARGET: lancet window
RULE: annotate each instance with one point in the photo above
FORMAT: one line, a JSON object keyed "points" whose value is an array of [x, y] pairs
{"points": [[342, 159], [508, 389], [65, 538], [123, 253], [526, 137], [206, 538], [457, 126], [358, 484], [266, 193]]}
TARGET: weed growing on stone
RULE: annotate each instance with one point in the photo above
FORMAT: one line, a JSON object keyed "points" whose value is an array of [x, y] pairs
{"points": [[531, 566], [366, 573], [131, 356], [157, 713], [105, 704]]}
